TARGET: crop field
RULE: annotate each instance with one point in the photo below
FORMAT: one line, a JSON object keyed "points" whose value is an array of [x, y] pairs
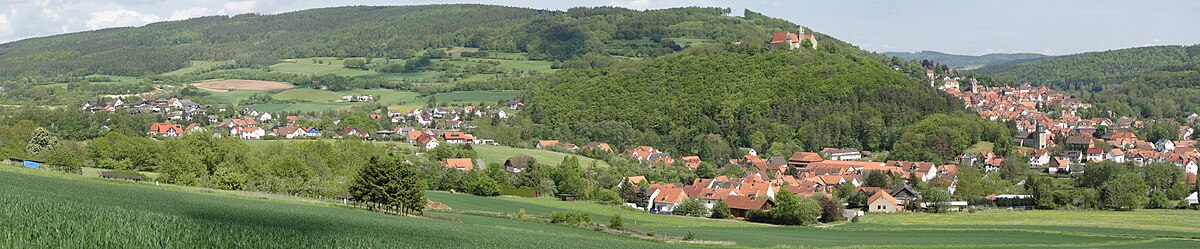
{"points": [[259, 85], [1023, 229], [40, 209], [497, 154]]}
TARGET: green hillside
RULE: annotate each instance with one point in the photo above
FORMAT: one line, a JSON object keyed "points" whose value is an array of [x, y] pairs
{"points": [[1082, 71], [967, 61], [47, 210], [362, 31], [705, 102]]}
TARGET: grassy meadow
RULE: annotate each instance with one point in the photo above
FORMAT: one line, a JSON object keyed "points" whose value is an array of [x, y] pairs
{"points": [[1004, 229], [41, 209], [498, 154]]}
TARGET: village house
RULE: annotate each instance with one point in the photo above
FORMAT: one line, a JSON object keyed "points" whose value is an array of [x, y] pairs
{"points": [[842, 154], [461, 164], [740, 206], [665, 200], [882, 202], [518, 164]]}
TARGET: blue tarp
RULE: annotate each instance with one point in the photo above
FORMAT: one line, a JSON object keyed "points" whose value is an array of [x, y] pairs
{"points": [[32, 164]]}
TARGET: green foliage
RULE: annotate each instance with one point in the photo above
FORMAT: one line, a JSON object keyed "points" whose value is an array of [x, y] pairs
{"points": [[66, 157], [790, 209], [691, 207], [940, 138], [361, 31], [831, 209], [41, 141], [354, 63], [721, 210], [616, 222], [391, 182], [482, 185], [877, 178], [815, 99], [570, 218]]}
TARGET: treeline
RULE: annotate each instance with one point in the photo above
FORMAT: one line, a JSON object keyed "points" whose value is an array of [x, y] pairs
{"points": [[361, 31], [1115, 186], [72, 124], [708, 101]]}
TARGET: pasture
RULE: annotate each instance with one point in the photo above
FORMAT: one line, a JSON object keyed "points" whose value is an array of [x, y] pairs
{"points": [[1016, 229], [497, 154], [75, 211], [231, 96]]}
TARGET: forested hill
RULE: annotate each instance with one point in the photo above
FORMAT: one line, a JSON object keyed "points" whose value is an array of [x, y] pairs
{"points": [[704, 102], [1147, 82], [391, 32], [1083, 71], [967, 61]]}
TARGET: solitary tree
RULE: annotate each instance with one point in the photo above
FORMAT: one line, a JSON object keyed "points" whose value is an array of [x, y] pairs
{"points": [[41, 140], [390, 182]]}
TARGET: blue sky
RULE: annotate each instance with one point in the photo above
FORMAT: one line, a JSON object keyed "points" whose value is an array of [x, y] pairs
{"points": [[963, 27]]}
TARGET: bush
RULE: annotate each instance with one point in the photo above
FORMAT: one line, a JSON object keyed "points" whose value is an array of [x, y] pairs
{"points": [[606, 196], [570, 218], [615, 222], [758, 216], [721, 211], [690, 236], [691, 207]]}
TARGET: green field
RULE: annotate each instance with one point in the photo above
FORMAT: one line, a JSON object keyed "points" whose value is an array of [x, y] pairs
{"points": [[232, 96], [41, 209], [1138, 229], [497, 154], [196, 67], [330, 65], [321, 100], [982, 146]]}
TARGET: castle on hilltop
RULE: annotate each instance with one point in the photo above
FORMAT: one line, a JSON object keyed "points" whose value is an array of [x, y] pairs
{"points": [[789, 40]]}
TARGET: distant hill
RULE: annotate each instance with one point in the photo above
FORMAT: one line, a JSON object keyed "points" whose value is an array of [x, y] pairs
{"points": [[255, 40], [967, 61]]}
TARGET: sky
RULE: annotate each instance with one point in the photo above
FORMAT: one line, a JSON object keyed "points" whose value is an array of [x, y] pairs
{"points": [[960, 27]]}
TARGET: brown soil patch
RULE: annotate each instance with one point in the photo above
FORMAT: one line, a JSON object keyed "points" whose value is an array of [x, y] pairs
{"points": [[433, 205], [243, 85]]}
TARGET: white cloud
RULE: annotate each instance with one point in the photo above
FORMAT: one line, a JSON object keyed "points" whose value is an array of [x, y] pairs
{"points": [[189, 13], [119, 18], [6, 27], [234, 8]]}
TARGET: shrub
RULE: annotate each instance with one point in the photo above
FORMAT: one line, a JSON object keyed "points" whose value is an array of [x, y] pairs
{"points": [[521, 213], [570, 218], [721, 211], [616, 222], [690, 236]]}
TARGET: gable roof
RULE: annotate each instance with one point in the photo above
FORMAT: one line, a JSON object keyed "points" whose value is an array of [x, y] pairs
{"points": [[670, 195], [805, 157], [747, 203], [881, 194], [465, 164]]}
